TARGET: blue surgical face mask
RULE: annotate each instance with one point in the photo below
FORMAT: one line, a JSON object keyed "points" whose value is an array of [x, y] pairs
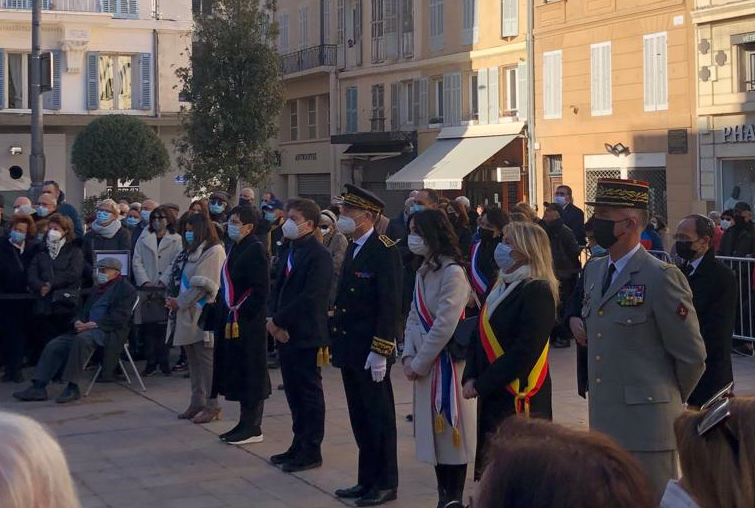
{"points": [[234, 231], [502, 256], [17, 237], [132, 221], [597, 251], [189, 235], [145, 215], [417, 208], [43, 211], [270, 216], [561, 200], [216, 208], [102, 217], [101, 277]]}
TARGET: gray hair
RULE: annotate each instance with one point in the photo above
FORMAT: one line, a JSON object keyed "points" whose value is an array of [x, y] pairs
{"points": [[33, 469], [464, 201]]}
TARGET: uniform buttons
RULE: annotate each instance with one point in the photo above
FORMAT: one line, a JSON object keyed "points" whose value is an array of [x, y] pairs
{"points": [[344, 333], [598, 380], [600, 313], [598, 358], [599, 335], [335, 329], [629, 321], [650, 399], [352, 290]]}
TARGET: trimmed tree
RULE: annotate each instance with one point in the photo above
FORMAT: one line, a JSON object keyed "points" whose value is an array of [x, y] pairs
{"points": [[116, 147], [234, 87]]}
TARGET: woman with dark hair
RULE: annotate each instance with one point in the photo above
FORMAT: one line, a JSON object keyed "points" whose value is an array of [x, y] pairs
{"points": [[54, 273], [444, 422], [16, 253], [536, 464], [192, 288], [154, 253], [457, 214], [482, 267], [240, 369]]}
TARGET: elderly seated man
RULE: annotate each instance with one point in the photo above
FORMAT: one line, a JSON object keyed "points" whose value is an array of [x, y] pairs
{"points": [[102, 321]]}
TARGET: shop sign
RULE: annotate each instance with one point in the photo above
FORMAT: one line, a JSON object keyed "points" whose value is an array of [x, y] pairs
{"points": [[742, 38], [305, 157], [508, 174], [740, 133]]}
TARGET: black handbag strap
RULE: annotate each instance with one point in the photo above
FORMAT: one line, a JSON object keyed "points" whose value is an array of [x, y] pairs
{"points": [[469, 284]]}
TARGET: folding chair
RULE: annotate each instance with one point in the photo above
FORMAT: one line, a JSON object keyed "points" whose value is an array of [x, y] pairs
{"points": [[120, 361]]}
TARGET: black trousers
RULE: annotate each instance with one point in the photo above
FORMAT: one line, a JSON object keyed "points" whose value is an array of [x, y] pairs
{"points": [[14, 332], [68, 352], [302, 383], [155, 348], [252, 416], [373, 420]]}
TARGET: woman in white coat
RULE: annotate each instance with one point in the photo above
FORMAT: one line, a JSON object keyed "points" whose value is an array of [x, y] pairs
{"points": [[444, 422], [194, 285], [154, 253]]}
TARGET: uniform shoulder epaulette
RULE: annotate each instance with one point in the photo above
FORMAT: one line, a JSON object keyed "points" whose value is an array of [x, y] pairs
{"points": [[667, 266], [387, 241]]}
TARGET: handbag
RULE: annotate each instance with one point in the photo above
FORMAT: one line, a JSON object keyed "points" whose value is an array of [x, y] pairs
{"points": [[467, 327], [152, 308], [65, 302]]}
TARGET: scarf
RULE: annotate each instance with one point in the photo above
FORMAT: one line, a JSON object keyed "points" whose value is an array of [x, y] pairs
{"points": [[174, 287], [53, 248], [507, 282], [108, 231]]}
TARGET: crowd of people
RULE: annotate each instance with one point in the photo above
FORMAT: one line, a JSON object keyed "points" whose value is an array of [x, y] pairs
{"points": [[468, 300]]}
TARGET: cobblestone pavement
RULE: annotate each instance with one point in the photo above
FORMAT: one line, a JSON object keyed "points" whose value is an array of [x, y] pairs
{"points": [[127, 448]]}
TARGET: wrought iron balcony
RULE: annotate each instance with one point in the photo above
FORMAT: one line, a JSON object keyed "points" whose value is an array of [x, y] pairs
{"points": [[56, 5], [323, 55]]}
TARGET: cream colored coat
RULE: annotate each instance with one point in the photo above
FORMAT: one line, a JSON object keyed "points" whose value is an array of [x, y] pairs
{"points": [[446, 293], [203, 272], [152, 264]]}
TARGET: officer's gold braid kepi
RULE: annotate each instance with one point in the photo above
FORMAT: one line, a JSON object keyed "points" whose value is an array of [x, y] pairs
{"points": [[622, 193], [359, 202]]}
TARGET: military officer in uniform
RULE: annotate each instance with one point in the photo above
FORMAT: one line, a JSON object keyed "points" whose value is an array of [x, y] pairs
{"points": [[645, 351], [363, 331]]}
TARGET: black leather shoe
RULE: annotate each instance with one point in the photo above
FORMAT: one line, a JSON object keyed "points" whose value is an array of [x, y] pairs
{"points": [[300, 464], [377, 497], [31, 394], [70, 394], [354, 492], [284, 457]]}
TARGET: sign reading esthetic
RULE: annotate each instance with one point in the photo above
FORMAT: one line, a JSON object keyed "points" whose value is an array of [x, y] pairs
{"points": [[306, 157], [740, 134]]}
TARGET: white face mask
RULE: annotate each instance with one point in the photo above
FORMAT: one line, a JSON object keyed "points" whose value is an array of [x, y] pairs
{"points": [[54, 235], [290, 230], [725, 224], [346, 225], [417, 245]]}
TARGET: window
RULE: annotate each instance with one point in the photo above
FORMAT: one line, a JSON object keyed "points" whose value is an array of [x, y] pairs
{"points": [[553, 165], [303, 27], [352, 124], [17, 80], [293, 115], [509, 18], [512, 90], [283, 43], [474, 102], [438, 118], [326, 21], [452, 99], [407, 28], [312, 118], [116, 82], [747, 67], [436, 25], [656, 74], [121, 8], [552, 85], [600, 79], [340, 22], [470, 22], [377, 120], [378, 43]]}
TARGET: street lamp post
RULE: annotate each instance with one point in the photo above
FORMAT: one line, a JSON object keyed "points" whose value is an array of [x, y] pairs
{"points": [[37, 157]]}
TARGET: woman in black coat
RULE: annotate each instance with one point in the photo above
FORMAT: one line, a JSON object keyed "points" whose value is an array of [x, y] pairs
{"points": [[507, 369], [56, 267], [483, 270], [240, 368], [457, 214], [17, 250]]}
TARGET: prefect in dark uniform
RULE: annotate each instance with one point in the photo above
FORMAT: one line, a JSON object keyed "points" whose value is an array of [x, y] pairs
{"points": [[365, 320]]}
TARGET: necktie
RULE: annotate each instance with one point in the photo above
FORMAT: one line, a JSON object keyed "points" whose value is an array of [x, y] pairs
{"points": [[688, 269], [348, 257], [609, 277]]}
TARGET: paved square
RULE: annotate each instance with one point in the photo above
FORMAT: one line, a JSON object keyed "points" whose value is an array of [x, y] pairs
{"points": [[127, 448]]}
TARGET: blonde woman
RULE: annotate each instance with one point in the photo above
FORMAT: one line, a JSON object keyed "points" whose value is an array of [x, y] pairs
{"points": [[507, 362], [33, 470]]}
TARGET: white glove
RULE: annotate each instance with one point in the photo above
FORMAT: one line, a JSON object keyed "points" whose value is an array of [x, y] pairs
{"points": [[378, 364]]}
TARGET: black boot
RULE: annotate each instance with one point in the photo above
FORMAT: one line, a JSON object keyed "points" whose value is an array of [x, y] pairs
{"points": [[248, 430], [440, 476], [455, 478]]}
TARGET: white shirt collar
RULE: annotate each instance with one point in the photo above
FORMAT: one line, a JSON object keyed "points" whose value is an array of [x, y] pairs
{"points": [[620, 263], [362, 239], [696, 263]]}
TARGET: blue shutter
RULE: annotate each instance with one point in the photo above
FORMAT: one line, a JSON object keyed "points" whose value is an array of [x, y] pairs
{"points": [[2, 78], [93, 81], [52, 98], [145, 81], [107, 5], [46, 5], [133, 8]]}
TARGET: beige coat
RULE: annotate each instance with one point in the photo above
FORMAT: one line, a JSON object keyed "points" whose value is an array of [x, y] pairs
{"points": [[151, 264], [203, 272], [446, 293]]}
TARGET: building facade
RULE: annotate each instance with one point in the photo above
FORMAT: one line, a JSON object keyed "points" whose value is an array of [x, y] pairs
{"points": [[614, 88], [725, 74], [109, 57]]}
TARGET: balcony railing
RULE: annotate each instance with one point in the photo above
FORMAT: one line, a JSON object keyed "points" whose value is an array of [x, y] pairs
{"points": [[323, 55], [56, 5]]}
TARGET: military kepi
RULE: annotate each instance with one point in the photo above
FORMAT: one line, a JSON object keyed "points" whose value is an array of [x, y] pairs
{"points": [[622, 194], [360, 198]]}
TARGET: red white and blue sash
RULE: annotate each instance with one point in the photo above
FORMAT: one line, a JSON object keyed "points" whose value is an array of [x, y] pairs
{"points": [[229, 295], [445, 395], [479, 281]]}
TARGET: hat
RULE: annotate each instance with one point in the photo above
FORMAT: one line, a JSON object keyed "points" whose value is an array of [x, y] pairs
{"points": [[328, 216], [172, 206], [464, 201], [619, 193], [360, 198], [113, 263], [222, 195], [273, 204]]}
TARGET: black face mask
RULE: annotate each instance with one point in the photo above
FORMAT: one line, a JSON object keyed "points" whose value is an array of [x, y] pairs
{"points": [[486, 235], [244, 202], [684, 250], [603, 232]]}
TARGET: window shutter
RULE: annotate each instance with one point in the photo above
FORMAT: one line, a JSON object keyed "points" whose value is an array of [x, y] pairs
{"points": [[51, 99], [661, 93], [395, 107], [46, 5], [509, 18], [447, 101], [476, 22], [390, 29], [93, 81], [595, 84], [522, 92], [416, 115], [326, 21], [482, 96], [283, 44], [303, 27], [145, 81], [436, 25], [424, 102], [607, 80], [649, 71], [2, 78], [493, 96], [467, 16], [552, 85], [107, 5], [133, 8], [352, 119], [557, 93]]}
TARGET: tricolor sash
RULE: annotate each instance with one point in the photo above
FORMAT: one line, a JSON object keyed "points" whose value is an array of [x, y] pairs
{"points": [[290, 263], [229, 295], [185, 287], [445, 395], [479, 281], [493, 351]]}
